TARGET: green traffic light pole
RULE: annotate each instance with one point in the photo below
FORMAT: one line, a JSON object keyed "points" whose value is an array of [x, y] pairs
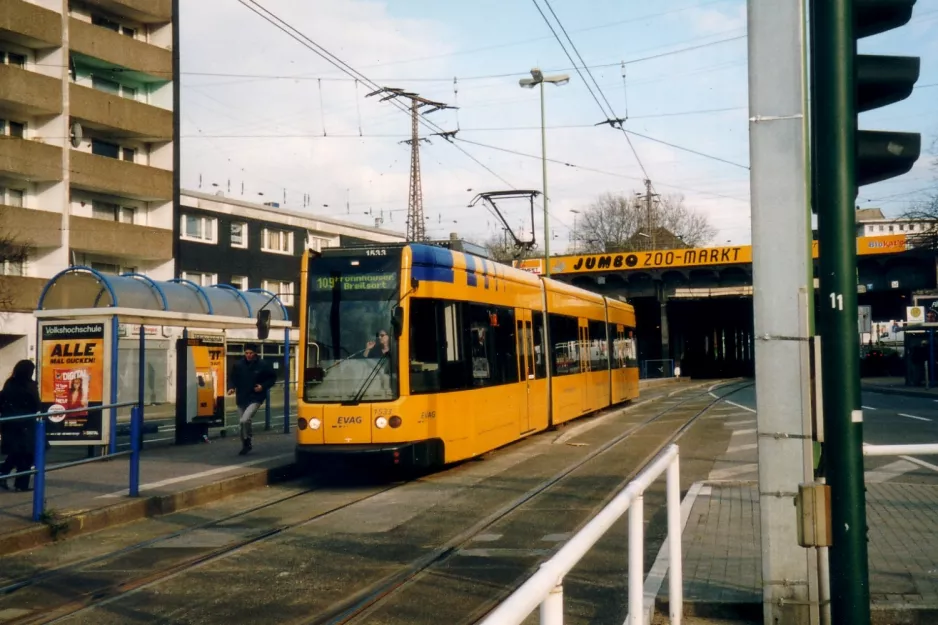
{"points": [[834, 133]]}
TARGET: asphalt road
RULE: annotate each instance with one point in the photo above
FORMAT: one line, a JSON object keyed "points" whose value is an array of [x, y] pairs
{"points": [[891, 420]]}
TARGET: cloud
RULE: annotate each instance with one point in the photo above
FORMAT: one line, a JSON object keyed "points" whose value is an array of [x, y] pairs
{"points": [[711, 21]]}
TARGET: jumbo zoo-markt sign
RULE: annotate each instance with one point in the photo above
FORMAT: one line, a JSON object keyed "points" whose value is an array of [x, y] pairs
{"points": [[692, 257]]}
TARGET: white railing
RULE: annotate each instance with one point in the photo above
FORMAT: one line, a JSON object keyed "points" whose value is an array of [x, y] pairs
{"points": [[900, 450], [545, 588]]}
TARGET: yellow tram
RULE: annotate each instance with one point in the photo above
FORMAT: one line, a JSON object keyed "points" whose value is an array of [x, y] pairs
{"points": [[427, 356]]}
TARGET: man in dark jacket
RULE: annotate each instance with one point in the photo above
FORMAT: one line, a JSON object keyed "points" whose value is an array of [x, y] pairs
{"points": [[249, 382], [20, 396]]}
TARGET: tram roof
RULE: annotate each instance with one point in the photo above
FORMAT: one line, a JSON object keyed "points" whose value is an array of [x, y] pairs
{"points": [[79, 292]]}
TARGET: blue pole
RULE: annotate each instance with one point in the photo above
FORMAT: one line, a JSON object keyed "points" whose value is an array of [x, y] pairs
{"points": [[141, 375], [112, 435], [39, 487], [267, 412], [286, 380], [136, 421]]}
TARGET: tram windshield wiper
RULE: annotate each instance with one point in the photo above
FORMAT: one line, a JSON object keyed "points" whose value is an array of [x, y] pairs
{"points": [[356, 399]]}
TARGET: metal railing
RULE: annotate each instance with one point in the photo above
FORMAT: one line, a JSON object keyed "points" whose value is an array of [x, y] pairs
{"points": [[286, 408], [656, 369], [900, 450], [545, 588], [39, 460]]}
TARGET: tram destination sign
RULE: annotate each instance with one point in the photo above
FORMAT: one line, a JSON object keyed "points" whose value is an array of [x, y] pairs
{"points": [[690, 257]]}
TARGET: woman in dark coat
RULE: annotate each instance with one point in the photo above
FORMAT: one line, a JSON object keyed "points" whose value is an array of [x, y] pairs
{"points": [[20, 396]]}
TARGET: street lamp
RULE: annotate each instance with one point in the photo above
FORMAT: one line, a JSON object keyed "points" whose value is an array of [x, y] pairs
{"points": [[538, 78], [575, 213]]}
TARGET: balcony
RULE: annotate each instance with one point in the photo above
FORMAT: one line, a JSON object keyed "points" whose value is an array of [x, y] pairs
{"points": [[30, 25], [31, 227], [20, 294], [106, 111], [101, 174], [28, 93], [106, 45], [30, 160], [143, 11], [112, 238]]}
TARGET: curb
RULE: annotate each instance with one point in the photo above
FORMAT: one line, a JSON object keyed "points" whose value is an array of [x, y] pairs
{"points": [[886, 390], [880, 614], [90, 521]]}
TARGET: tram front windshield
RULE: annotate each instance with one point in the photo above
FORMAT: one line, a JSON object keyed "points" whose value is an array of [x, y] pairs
{"points": [[351, 353]]}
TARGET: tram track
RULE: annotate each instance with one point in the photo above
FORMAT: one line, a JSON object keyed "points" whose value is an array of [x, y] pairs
{"points": [[359, 604], [109, 592], [365, 603]]}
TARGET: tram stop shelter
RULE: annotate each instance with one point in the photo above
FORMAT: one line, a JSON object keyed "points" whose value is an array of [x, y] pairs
{"points": [[80, 299]]}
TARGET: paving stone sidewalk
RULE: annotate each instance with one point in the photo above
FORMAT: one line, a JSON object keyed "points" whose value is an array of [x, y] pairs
{"points": [[722, 550]]}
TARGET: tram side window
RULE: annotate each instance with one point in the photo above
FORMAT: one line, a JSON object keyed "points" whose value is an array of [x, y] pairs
{"points": [[424, 348], [540, 362], [564, 339], [492, 353], [631, 348], [599, 346], [616, 353]]}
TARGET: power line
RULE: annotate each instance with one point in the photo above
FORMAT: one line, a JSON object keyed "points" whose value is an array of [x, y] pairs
{"points": [[611, 115]]}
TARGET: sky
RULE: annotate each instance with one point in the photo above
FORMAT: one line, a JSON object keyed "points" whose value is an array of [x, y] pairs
{"points": [[264, 118]]}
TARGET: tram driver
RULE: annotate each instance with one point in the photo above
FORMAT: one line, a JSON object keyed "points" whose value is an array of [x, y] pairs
{"points": [[380, 348]]}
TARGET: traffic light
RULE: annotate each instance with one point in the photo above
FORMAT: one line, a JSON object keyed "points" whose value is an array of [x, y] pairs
{"points": [[881, 81]]}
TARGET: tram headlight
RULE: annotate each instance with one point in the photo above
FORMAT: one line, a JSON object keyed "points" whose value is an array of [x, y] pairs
{"points": [[381, 422], [395, 421], [314, 423], [301, 423]]}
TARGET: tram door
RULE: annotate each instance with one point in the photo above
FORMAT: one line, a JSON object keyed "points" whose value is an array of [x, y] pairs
{"points": [[584, 352], [524, 343]]}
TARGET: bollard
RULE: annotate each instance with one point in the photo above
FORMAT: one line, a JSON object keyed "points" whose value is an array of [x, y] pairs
{"points": [[267, 412], [39, 484], [136, 417]]}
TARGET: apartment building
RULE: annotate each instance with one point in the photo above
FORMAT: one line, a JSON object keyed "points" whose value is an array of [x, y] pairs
{"points": [[258, 246], [86, 146]]}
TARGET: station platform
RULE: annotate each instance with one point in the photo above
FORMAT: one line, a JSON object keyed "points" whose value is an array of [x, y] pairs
{"points": [[93, 496], [897, 386], [722, 551]]}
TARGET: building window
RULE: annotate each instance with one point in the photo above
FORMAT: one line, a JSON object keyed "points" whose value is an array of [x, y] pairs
{"points": [[112, 212], [103, 22], [202, 279], [892, 228], [239, 234], [240, 282], [12, 267], [15, 197], [278, 241], [112, 268], [880, 228], [283, 290], [129, 154], [104, 148], [195, 228], [113, 87], [12, 58], [108, 86]]}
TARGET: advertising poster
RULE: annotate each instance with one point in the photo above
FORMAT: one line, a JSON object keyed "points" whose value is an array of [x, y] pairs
{"points": [[73, 375]]}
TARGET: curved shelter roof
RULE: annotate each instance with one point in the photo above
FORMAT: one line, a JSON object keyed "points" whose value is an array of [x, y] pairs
{"points": [[79, 292]]}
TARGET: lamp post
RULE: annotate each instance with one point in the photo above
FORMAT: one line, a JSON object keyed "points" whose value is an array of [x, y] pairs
{"points": [[575, 213], [538, 78]]}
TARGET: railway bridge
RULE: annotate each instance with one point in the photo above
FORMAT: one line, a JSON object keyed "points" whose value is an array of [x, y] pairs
{"points": [[694, 305]]}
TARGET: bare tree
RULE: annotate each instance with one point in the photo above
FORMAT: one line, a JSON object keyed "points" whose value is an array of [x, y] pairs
{"points": [[13, 253], [625, 223], [925, 214], [502, 249]]}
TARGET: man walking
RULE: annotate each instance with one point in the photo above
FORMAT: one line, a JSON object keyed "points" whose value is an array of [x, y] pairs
{"points": [[251, 378]]}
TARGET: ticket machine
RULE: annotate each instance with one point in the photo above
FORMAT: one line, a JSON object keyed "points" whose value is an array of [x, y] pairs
{"points": [[200, 386]]}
